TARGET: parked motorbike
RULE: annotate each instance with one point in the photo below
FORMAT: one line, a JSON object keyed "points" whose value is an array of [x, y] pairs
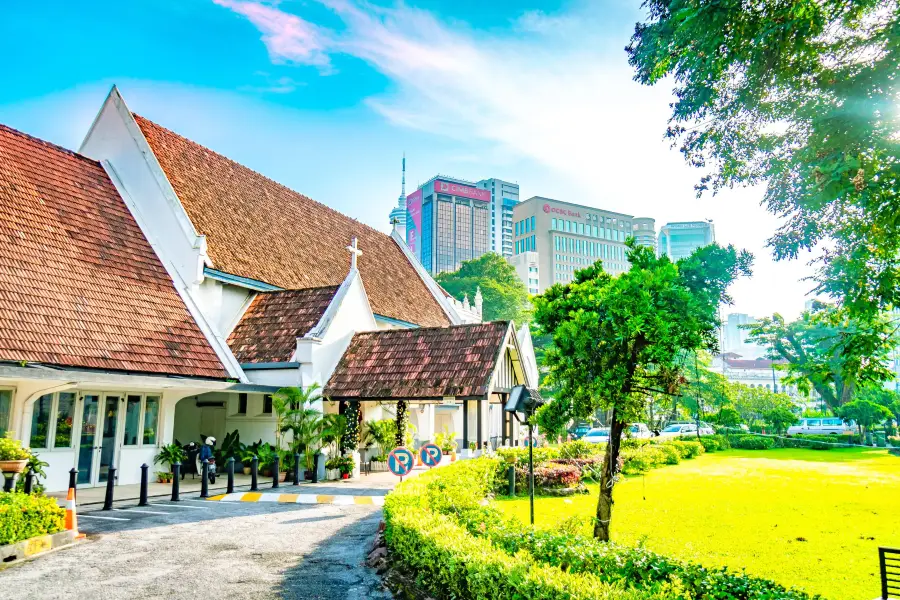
{"points": [[206, 452]]}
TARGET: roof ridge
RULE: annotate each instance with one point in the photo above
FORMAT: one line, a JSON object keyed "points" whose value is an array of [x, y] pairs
{"points": [[435, 327], [42, 142], [254, 171]]}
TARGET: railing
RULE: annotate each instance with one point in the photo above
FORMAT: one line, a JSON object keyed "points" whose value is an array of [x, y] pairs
{"points": [[889, 558]]}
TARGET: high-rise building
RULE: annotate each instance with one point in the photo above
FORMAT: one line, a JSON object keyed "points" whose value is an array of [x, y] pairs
{"points": [[398, 214], [644, 231], [448, 222], [569, 237], [735, 337], [527, 266], [679, 240], [504, 196]]}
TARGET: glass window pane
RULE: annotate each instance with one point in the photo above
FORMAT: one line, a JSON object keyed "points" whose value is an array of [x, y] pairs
{"points": [[267, 404], [40, 421], [65, 416], [132, 420], [151, 420], [5, 408]]}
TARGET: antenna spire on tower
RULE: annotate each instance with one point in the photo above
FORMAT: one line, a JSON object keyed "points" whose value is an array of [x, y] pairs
{"points": [[403, 181]]}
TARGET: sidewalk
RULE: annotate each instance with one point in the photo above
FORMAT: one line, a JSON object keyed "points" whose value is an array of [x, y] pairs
{"points": [[375, 484]]}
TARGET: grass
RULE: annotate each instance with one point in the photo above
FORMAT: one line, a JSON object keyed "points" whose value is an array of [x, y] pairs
{"points": [[805, 518]]}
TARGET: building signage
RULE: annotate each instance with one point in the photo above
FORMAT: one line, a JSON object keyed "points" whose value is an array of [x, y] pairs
{"points": [[414, 222], [448, 400], [463, 191], [561, 211]]}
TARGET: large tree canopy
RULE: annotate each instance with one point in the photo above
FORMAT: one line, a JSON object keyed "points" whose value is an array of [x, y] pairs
{"points": [[829, 351], [804, 96], [616, 340], [504, 293]]}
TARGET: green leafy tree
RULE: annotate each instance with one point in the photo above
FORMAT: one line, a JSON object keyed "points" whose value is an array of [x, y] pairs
{"points": [[754, 403], [618, 339], [350, 439], [828, 350], [889, 399], [402, 423], [864, 413], [780, 418], [505, 297], [801, 96], [728, 416]]}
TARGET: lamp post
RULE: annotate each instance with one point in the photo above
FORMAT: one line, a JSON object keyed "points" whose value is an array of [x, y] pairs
{"points": [[523, 401]]}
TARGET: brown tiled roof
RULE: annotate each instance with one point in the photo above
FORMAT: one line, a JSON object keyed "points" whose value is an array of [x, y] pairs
{"points": [[80, 286], [260, 229], [269, 329], [419, 363]]}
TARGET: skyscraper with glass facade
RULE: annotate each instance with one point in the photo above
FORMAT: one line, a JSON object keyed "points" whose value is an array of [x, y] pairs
{"points": [[504, 196], [448, 222], [679, 240]]}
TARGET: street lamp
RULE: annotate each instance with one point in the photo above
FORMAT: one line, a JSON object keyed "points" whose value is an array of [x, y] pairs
{"points": [[522, 403]]}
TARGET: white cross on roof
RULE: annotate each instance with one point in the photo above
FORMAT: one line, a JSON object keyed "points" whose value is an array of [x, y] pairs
{"points": [[354, 251]]}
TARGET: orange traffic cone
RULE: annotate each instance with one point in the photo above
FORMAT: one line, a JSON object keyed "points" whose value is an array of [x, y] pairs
{"points": [[71, 516]]}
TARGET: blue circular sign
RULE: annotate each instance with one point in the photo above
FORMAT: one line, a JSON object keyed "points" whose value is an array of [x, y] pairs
{"points": [[430, 455], [401, 461]]}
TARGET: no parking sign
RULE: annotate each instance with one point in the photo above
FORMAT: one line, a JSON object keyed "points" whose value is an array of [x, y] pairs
{"points": [[400, 461], [430, 455]]}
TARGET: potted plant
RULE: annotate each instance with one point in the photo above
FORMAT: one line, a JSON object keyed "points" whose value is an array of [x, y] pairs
{"points": [[164, 476], [345, 465], [333, 468], [472, 451], [13, 457], [266, 455], [246, 456], [169, 455]]}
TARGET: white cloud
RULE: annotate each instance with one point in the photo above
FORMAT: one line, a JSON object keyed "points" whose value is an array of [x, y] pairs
{"points": [[556, 90]]}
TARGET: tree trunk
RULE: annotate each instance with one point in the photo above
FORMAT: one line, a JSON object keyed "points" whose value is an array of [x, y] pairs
{"points": [[608, 479]]}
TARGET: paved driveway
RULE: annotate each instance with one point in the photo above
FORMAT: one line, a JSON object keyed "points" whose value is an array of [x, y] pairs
{"points": [[203, 549]]}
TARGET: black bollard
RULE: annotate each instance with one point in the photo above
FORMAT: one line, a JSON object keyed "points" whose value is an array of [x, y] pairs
{"points": [[296, 468], [10, 481], [73, 480], [230, 468], [276, 468], [29, 481], [110, 482], [315, 473], [144, 483], [254, 473], [511, 475], [176, 471], [204, 478]]}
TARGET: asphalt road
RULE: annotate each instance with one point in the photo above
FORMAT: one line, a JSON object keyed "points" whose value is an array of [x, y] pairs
{"points": [[200, 549]]}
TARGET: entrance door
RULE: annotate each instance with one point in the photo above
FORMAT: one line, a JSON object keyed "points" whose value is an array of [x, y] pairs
{"points": [[87, 448], [110, 420]]}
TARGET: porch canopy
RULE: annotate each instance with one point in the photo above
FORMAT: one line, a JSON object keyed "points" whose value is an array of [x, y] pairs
{"points": [[474, 362]]}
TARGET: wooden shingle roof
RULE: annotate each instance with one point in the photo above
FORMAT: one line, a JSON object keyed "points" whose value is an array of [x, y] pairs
{"points": [[80, 286], [262, 230], [268, 331], [425, 363]]}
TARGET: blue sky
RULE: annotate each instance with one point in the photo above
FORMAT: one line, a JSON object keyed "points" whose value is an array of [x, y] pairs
{"points": [[325, 95]]}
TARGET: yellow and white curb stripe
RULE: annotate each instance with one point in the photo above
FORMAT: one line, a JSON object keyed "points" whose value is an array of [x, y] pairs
{"points": [[298, 498]]}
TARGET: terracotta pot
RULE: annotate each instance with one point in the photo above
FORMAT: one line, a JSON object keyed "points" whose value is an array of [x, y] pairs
{"points": [[13, 466], [246, 470], [282, 476]]}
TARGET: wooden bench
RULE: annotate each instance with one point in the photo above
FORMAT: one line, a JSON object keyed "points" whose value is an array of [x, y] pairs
{"points": [[889, 558]]}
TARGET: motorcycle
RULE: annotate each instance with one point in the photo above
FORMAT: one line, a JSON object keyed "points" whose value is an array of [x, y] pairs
{"points": [[207, 453]]}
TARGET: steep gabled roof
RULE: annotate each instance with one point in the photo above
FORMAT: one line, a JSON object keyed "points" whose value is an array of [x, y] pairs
{"points": [[80, 285], [419, 363], [262, 230], [269, 329]]}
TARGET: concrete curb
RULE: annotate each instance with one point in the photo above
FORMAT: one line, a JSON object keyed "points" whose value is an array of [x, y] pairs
{"points": [[298, 498], [14, 553]]}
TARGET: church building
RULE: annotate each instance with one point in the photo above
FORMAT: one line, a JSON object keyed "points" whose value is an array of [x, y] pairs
{"points": [[152, 290]]}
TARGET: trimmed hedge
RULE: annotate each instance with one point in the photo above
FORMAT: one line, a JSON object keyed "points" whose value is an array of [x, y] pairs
{"points": [[24, 516], [551, 476], [751, 442], [458, 547]]}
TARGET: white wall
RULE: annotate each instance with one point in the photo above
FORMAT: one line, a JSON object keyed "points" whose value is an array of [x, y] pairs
{"points": [[222, 303]]}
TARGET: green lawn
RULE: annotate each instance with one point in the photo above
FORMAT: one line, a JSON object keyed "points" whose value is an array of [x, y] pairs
{"points": [[805, 518]]}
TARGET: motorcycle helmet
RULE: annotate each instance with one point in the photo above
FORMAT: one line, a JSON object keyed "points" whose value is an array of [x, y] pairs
{"points": [[210, 441]]}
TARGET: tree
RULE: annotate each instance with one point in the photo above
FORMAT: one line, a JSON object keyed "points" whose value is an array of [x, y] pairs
{"points": [[754, 403], [504, 294], [883, 397], [288, 404], [864, 413], [728, 416], [829, 350], [780, 418], [618, 339], [402, 421], [802, 96]]}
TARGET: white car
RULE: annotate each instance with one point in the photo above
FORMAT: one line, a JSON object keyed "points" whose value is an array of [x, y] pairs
{"points": [[597, 435], [684, 429], [820, 426], [638, 431]]}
